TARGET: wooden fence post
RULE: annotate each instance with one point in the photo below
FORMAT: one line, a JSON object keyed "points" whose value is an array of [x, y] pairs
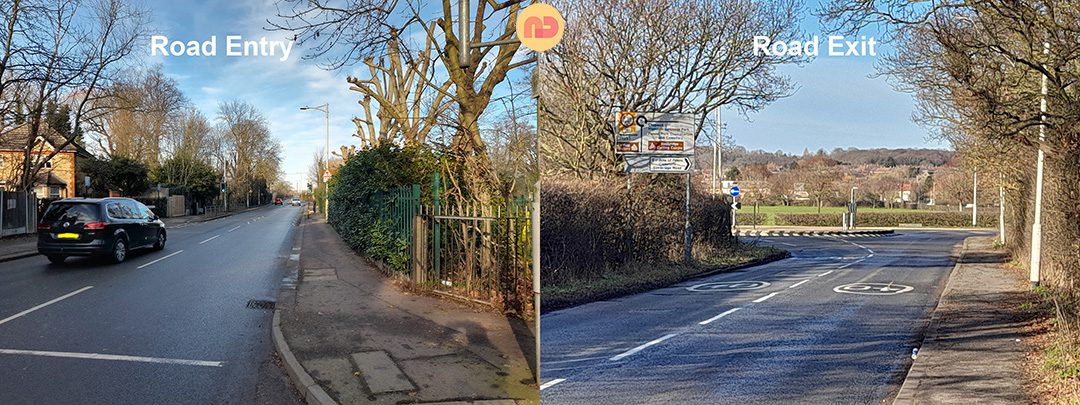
{"points": [[419, 251]]}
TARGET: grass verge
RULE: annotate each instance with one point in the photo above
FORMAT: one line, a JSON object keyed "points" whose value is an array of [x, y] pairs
{"points": [[640, 277], [1054, 363]]}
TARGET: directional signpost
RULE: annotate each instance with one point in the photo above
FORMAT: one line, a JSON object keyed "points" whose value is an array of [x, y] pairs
{"points": [[659, 143], [656, 142]]}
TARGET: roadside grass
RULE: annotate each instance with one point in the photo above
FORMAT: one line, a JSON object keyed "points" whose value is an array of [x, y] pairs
{"points": [[770, 211], [1055, 362], [640, 277]]}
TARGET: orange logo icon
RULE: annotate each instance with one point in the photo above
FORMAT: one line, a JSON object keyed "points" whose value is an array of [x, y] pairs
{"points": [[540, 27]]}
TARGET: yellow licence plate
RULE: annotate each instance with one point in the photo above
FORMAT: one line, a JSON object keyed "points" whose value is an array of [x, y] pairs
{"points": [[67, 236]]}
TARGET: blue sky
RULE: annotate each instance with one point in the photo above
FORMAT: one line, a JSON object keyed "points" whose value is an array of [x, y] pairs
{"points": [[837, 104]]}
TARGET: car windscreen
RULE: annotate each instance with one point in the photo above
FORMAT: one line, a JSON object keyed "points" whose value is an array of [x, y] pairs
{"points": [[75, 213]]}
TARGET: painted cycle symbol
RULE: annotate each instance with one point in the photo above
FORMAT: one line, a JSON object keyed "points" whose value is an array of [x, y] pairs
{"points": [[873, 288], [728, 286]]}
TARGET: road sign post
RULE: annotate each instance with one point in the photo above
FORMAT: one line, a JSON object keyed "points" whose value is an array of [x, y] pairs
{"points": [[659, 143]]}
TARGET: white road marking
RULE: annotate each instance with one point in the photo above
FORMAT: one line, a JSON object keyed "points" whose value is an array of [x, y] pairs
{"points": [[725, 313], [788, 244], [825, 273], [163, 258], [853, 263], [633, 351], [762, 299], [551, 383], [799, 283], [214, 237], [50, 302], [294, 257], [235, 228], [99, 356]]}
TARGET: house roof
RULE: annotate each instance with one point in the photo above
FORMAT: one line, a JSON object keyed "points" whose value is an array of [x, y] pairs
{"points": [[14, 139]]}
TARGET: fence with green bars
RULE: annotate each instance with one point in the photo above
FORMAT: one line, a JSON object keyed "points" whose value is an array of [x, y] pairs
{"points": [[479, 252]]}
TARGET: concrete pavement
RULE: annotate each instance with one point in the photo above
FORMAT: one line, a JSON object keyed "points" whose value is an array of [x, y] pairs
{"points": [[835, 323], [182, 325], [359, 337], [975, 346]]}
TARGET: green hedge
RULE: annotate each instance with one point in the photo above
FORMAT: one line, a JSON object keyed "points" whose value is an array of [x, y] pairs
{"points": [[889, 219], [750, 218], [354, 210]]}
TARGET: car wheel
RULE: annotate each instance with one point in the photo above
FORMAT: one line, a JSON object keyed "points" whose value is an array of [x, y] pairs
{"points": [[160, 244], [56, 258], [119, 250]]}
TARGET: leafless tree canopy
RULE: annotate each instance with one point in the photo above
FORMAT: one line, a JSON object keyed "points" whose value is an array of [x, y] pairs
{"points": [[60, 51], [689, 56], [367, 30]]}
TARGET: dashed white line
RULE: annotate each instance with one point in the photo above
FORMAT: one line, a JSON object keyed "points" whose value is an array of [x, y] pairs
{"points": [[633, 351], [825, 273], [99, 356], [235, 228], [799, 283], [853, 263], [47, 303], [212, 238], [163, 258], [762, 299], [725, 313], [551, 383]]}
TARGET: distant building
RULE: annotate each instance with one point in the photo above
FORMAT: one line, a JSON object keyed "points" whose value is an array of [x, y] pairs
{"points": [[56, 178]]}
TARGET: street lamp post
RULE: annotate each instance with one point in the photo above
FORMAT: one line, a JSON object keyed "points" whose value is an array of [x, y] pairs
{"points": [[1036, 225], [851, 208], [326, 198]]}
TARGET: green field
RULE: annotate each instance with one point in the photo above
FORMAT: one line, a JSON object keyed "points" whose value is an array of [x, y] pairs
{"points": [[771, 210]]}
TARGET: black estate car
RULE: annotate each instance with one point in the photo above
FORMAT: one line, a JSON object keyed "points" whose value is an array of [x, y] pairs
{"points": [[109, 227]]}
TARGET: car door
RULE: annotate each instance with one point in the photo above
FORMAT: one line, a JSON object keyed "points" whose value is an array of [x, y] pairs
{"points": [[134, 224], [151, 226]]}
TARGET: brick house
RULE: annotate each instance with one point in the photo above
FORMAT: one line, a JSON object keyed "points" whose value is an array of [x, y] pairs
{"points": [[56, 179]]}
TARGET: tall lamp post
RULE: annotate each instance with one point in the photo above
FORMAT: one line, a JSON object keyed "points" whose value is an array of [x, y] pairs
{"points": [[326, 197]]}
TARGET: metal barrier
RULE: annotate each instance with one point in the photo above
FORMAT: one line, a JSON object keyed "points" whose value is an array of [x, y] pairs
{"points": [[18, 213]]}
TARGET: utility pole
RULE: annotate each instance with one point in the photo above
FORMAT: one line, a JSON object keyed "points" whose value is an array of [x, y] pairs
{"points": [[716, 150], [975, 199], [1036, 226], [1001, 207]]}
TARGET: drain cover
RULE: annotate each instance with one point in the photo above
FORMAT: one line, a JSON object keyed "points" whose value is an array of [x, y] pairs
{"points": [[260, 304]]}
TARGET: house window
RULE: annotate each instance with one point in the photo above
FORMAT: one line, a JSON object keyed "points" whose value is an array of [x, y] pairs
{"points": [[54, 192], [47, 164]]}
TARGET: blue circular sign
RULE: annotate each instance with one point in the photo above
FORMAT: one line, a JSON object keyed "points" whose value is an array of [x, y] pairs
{"points": [[734, 191]]}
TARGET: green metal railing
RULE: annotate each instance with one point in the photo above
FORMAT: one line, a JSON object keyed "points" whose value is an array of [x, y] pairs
{"points": [[478, 252]]}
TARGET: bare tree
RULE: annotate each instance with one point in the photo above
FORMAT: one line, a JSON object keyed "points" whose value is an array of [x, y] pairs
{"points": [[370, 29], [65, 52], [689, 56]]}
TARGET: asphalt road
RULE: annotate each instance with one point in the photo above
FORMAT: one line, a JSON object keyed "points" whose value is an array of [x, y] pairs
{"points": [[784, 332], [161, 328]]}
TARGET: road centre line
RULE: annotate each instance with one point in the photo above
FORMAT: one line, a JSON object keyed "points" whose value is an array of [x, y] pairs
{"points": [[212, 238], [115, 357], [825, 273], [633, 351], [725, 313], [163, 258], [853, 263], [551, 383], [50, 302], [235, 228], [762, 299], [799, 283]]}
